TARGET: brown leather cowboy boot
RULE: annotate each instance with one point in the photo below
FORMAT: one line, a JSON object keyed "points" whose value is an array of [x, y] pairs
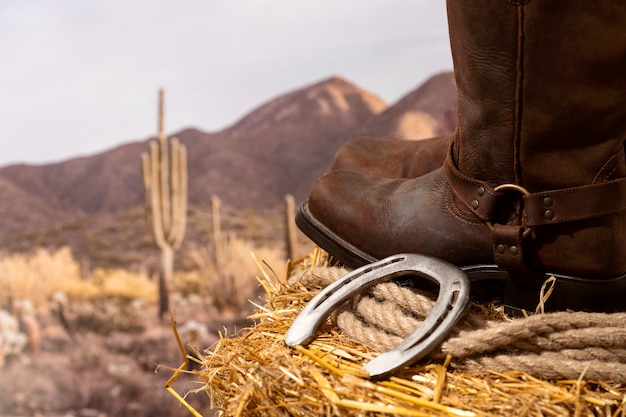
{"points": [[534, 183]]}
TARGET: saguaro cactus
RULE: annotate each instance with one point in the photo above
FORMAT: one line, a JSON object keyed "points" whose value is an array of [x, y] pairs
{"points": [[165, 183]]}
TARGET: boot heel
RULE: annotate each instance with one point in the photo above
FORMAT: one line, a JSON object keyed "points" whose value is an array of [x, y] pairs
{"points": [[523, 293]]}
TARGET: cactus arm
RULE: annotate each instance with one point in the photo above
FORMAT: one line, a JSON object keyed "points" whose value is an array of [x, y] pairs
{"points": [[146, 175], [164, 176], [178, 193], [182, 197], [145, 170], [174, 191], [156, 198]]}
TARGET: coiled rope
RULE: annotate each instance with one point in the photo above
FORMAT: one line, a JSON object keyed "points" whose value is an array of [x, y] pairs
{"points": [[561, 345]]}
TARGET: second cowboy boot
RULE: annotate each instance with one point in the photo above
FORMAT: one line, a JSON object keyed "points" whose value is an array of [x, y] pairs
{"points": [[534, 182]]}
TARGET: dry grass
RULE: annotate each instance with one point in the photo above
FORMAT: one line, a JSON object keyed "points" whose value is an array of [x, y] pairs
{"points": [[226, 276], [256, 374], [227, 272], [39, 275]]}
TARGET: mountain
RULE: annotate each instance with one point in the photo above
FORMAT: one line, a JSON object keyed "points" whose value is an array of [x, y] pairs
{"points": [[427, 111], [21, 209], [278, 148]]}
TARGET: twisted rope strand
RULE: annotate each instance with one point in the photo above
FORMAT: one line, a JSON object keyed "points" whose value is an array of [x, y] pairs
{"points": [[559, 345], [550, 365], [418, 304], [320, 277], [372, 337], [387, 315], [534, 330]]}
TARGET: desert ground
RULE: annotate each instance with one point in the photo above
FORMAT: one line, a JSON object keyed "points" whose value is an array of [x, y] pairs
{"points": [[95, 346]]}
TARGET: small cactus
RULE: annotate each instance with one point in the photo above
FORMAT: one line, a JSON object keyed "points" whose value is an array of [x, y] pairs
{"points": [[290, 228], [216, 207]]}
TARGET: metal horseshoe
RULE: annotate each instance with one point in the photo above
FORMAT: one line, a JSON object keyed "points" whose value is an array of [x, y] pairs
{"points": [[451, 304]]}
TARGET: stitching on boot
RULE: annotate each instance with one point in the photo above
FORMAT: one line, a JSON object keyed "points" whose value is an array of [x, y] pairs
{"points": [[608, 170], [564, 219], [451, 170], [519, 85], [466, 217]]}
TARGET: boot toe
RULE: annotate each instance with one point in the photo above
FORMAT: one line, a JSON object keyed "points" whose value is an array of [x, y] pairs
{"points": [[350, 213]]}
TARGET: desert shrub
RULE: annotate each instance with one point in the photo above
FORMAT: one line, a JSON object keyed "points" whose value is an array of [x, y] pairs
{"points": [[120, 283], [38, 275], [107, 315], [228, 270], [189, 283], [12, 341]]}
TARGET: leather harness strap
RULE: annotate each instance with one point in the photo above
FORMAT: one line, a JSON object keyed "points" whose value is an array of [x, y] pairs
{"points": [[542, 208], [577, 203], [545, 207]]}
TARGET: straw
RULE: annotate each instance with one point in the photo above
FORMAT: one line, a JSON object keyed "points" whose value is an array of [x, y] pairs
{"points": [[253, 373]]}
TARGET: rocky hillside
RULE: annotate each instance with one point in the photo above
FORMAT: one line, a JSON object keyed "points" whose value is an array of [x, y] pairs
{"points": [[279, 148], [427, 111]]}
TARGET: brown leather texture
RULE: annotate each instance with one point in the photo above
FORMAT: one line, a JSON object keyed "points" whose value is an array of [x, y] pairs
{"points": [[541, 106], [392, 158]]}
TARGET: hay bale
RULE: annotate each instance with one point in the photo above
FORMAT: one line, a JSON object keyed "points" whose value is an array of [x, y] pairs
{"points": [[254, 373]]}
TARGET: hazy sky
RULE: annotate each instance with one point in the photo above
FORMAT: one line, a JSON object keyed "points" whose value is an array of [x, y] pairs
{"points": [[81, 76]]}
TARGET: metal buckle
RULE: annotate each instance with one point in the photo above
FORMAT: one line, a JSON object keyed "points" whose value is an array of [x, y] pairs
{"points": [[514, 187], [452, 301]]}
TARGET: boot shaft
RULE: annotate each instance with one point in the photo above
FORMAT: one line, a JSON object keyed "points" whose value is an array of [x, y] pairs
{"points": [[573, 94], [542, 112], [541, 91], [535, 177]]}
